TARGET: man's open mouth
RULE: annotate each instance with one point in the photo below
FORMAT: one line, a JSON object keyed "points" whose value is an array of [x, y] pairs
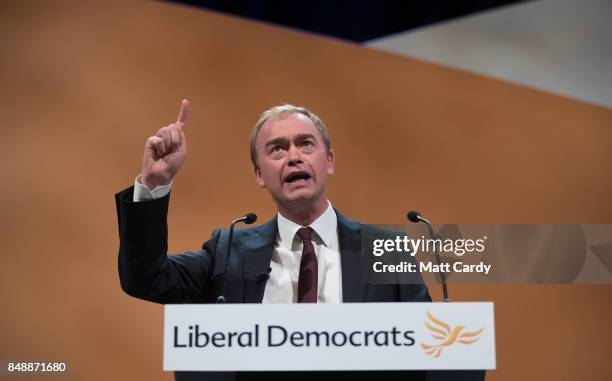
{"points": [[298, 177]]}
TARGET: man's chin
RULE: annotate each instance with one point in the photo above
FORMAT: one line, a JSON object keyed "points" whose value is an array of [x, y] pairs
{"points": [[298, 196]]}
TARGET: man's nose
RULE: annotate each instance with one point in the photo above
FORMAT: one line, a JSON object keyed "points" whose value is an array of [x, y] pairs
{"points": [[294, 155]]}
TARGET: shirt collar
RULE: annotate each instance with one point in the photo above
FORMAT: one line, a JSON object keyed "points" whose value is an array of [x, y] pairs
{"points": [[325, 226]]}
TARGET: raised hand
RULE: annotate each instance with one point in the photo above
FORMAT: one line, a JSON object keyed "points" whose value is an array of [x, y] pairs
{"points": [[165, 152]]}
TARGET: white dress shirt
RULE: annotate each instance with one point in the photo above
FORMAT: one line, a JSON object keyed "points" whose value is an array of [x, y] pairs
{"points": [[282, 286]]}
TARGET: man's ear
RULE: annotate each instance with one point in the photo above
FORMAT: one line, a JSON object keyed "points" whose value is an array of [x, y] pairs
{"points": [[260, 181], [331, 162]]}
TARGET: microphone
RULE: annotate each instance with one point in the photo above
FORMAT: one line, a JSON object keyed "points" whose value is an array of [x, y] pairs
{"points": [[248, 219], [414, 216]]}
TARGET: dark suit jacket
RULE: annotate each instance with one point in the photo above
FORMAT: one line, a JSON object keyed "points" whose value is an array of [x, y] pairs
{"points": [[147, 272]]}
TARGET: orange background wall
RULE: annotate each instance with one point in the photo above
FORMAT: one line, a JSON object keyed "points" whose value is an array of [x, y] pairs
{"points": [[83, 84]]}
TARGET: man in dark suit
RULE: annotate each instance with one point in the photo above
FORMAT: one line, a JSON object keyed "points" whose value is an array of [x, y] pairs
{"points": [[308, 253]]}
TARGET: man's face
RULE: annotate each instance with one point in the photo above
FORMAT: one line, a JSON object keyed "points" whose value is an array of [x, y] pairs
{"points": [[293, 161]]}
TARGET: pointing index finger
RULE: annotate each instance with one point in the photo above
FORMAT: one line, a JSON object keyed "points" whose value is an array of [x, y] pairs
{"points": [[182, 116]]}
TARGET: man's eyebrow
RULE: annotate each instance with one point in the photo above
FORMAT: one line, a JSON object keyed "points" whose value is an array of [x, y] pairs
{"points": [[276, 141], [304, 136], [284, 140]]}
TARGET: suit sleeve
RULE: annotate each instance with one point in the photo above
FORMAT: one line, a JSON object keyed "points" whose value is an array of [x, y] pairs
{"points": [[145, 270]]}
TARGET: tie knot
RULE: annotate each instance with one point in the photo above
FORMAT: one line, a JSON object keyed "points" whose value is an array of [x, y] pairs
{"points": [[304, 233]]}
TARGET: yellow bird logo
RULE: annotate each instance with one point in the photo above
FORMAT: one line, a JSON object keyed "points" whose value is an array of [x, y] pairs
{"points": [[447, 336]]}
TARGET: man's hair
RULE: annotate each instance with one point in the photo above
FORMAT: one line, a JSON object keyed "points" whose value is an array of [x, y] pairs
{"points": [[281, 112]]}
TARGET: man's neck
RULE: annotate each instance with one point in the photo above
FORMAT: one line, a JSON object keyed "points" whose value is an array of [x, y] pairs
{"points": [[304, 214]]}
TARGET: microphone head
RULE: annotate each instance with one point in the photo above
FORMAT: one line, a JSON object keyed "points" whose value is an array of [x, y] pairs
{"points": [[414, 216], [249, 218]]}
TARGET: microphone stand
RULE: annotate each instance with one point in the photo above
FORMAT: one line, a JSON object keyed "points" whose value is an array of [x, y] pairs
{"points": [[416, 217], [247, 219]]}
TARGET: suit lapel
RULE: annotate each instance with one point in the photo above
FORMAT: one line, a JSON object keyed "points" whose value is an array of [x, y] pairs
{"points": [[257, 251], [349, 237]]}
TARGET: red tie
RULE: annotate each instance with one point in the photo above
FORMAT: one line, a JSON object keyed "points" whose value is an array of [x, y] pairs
{"points": [[307, 282]]}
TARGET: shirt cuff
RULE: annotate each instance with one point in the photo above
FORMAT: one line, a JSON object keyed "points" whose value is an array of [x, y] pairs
{"points": [[142, 193]]}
